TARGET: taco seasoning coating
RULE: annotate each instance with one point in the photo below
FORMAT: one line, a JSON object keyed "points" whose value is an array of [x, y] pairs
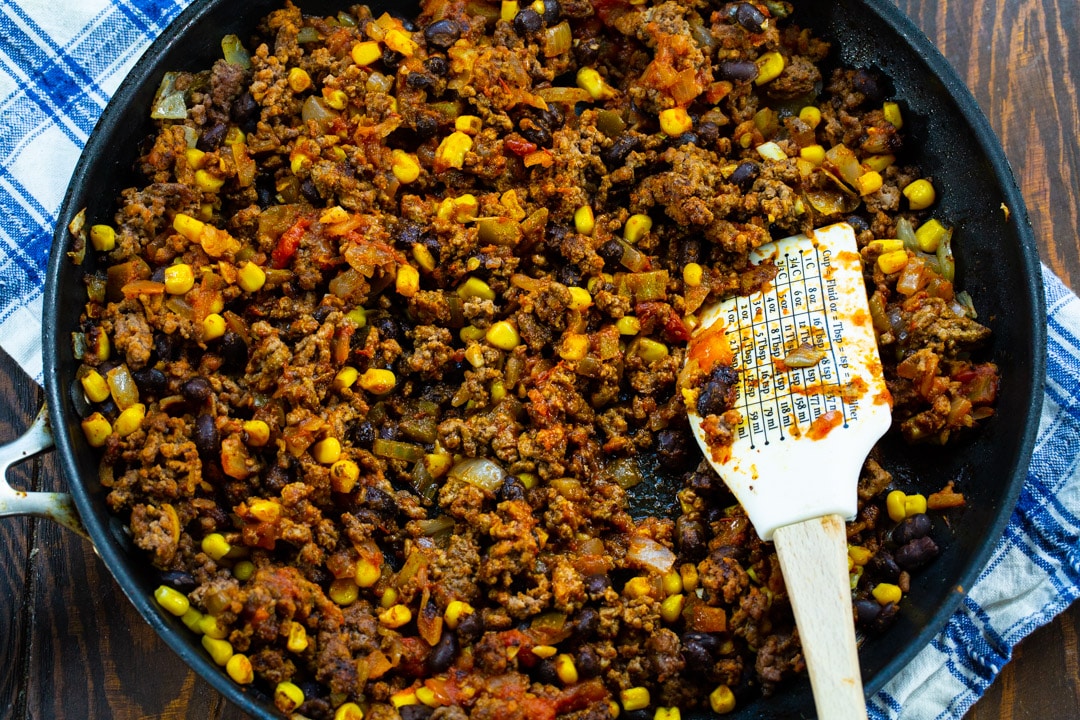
{"points": [[389, 339]]}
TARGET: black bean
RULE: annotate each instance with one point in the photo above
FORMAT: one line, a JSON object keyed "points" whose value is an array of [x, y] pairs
{"points": [[735, 70], [470, 628], [568, 275], [265, 192], [409, 233], [597, 585], [552, 12], [612, 252], [719, 391], [708, 132], [912, 528], [916, 553], [511, 489], [419, 81], [179, 580], [687, 138], [150, 381], [320, 313], [244, 109], [705, 483], [163, 346], [389, 430], [588, 662], [884, 618], [388, 327], [310, 192], [211, 138], [437, 65], [418, 711], [745, 174], [276, 478], [673, 446], [391, 58], [691, 537], [624, 144], [552, 117], [866, 611], [545, 672], [363, 434], [426, 127], [584, 625], [234, 352], [158, 275], [883, 566], [196, 390], [381, 502], [527, 22], [586, 51], [749, 17], [206, 435], [869, 84], [534, 132], [442, 33], [442, 654], [858, 223]]}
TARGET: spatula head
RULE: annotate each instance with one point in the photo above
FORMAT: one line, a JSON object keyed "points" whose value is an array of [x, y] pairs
{"points": [[799, 424]]}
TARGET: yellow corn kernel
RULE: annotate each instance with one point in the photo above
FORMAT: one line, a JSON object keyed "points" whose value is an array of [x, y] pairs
{"points": [[102, 347], [239, 669], [813, 153], [250, 277], [404, 697], [97, 429], [94, 386], [234, 136], [378, 381], [930, 234], [468, 124], [335, 98], [893, 262], [404, 166], [213, 326], [463, 209], [566, 669], [886, 593], [102, 237], [299, 80], [613, 709], [215, 545], [692, 274], [452, 149], [878, 163], [188, 226], [637, 226], [257, 433], [243, 570], [527, 479], [359, 316], [407, 282], [220, 650], [689, 574], [769, 65], [592, 82], [474, 354], [423, 257], [503, 335], [366, 52], [264, 509], [327, 451], [288, 697], [667, 713], [672, 582], [628, 325], [399, 41], [675, 121], [172, 600], [455, 611], [869, 182], [129, 420], [634, 698], [638, 586], [191, 619], [920, 194], [196, 158], [722, 700], [367, 572], [179, 278], [210, 627], [208, 182], [427, 696], [498, 390], [395, 616], [438, 464], [580, 298], [544, 651], [885, 246], [298, 639], [859, 555], [894, 504], [477, 288], [651, 351], [892, 114], [345, 377], [584, 220], [343, 476], [575, 346], [914, 504], [349, 711], [344, 591], [671, 607], [508, 10], [810, 115]]}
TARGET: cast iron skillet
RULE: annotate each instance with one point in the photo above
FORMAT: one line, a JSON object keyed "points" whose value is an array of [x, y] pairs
{"points": [[948, 136]]}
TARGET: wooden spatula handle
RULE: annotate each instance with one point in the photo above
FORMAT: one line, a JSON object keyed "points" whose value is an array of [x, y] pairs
{"points": [[813, 559]]}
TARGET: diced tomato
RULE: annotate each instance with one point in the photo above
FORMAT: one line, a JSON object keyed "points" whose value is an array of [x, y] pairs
{"points": [[289, 243], [519, 147]]}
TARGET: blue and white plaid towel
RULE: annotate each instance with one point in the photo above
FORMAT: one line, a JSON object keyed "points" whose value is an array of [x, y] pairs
{"points": [[60, 61]]}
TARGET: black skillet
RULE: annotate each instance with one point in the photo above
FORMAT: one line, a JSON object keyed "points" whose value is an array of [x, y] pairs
{"points": [[947, 135]]}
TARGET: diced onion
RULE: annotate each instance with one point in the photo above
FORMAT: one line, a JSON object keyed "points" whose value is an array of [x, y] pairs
{"points": [[481, 472], [650, 554]]}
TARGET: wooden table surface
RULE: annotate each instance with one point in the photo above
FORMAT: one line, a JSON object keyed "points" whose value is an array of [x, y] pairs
{"points": [[71, 646]]}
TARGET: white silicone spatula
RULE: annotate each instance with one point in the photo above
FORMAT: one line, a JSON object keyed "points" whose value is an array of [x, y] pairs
{"points": [[801, 434]]}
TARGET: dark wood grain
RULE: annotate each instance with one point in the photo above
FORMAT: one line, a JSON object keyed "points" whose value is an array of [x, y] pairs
{"points": [[71, 646]]}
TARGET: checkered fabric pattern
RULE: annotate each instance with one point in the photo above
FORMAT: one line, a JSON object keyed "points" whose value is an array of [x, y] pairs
{"points": [[61, 60]]}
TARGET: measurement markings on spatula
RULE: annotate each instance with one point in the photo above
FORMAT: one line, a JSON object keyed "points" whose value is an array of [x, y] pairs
{"points": [[778, 402]]}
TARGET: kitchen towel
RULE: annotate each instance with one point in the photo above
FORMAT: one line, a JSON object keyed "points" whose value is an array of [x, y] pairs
{"points": [[60, 61]]}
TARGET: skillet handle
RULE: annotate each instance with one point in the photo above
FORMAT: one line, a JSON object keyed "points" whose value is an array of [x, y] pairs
{"points": [[57, 507]]}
